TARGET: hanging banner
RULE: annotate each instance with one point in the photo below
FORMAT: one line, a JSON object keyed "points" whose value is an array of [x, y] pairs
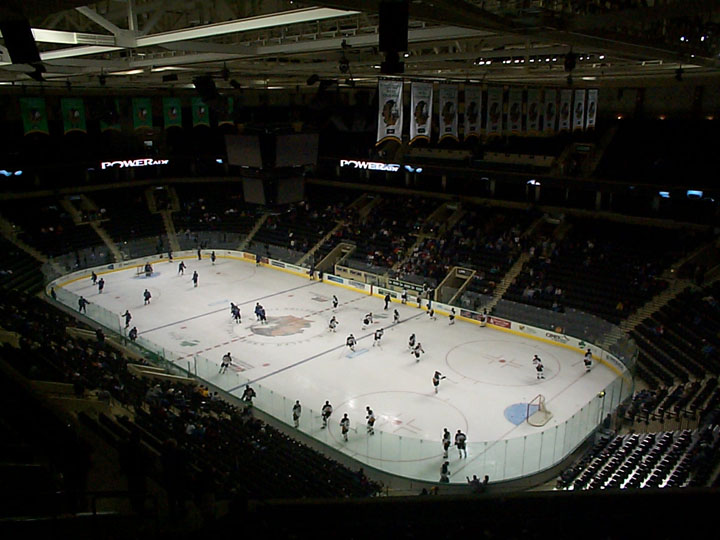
{"points": [[473, 109], [532, 119], [591, 109], [172, 112], [142, 113], [515, 111], [110, 115], [550, 111], [73, 113], [565, 109], [421, 101], [494, 111], [448, 103], [200, 112], [579, 110], [390, 111], [34, 115], [227, 113]]}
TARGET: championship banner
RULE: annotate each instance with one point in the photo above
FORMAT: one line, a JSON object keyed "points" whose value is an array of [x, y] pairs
{"points": [[473, 109], [200, 112], [448, 103], [390, 111], [591, 109], [34, 115], [579, 110], [110, 119], [515, 111], [550, 111], [227, 113], [172, 112], [421, 102], [533, 111], [494, 110], [73, 113], [142, 113], [565, 110]]}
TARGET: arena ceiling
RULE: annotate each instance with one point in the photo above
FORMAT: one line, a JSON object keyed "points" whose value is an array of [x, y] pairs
{"points": [[275, 44]]}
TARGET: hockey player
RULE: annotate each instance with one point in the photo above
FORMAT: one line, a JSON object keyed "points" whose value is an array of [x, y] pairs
{"points": [[445, 442], [335, 302], [248, 395], [326, 411], [101, 285], [212, 257], [93, 276], [345, 426], [199, 252], [396, 316], [350, 342], [195, 278], [181, 268], [367, 321], [452, 316], [258, 310], [263, 316], [296, 411], [82, 304], [588, 361], [378, 336], [226, 361], [235, 313], [460, 441], [387, 300], [370, 421], [436, 380], [332, 325], [128, 318], [147, 296], [404, 296], [536, 360], [431, 313], [445, 472], [539, 369], [411, 342], [132, 335], [417, 350]]}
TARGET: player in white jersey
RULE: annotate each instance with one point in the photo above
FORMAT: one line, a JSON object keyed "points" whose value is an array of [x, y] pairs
{"points": [[588, 361], [332, 325], [226, 361], [335, 302], [417, 350], [431, 313], [452, 316], [446, 439], [396, 316], [345, 426], [326, 411], [351, 342], [539, 369], [536, 360], [370, 421], [436, 380], [378, 336], [411, 342]]}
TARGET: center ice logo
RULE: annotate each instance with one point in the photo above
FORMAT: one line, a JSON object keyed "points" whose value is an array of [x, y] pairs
{"points": [[287, 325]]}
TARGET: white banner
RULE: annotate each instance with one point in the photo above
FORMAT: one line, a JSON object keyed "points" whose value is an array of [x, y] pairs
{"points": [[515, 111], [592, 100], [565, 110], [550, 111], [473, 110], [579, 110], [421, 102], [390, 111], [448, 106], [533, 112], [494, 110]]}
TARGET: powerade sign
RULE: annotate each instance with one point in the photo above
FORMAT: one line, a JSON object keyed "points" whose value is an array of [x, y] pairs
{"points": [[369, 165], [131, 163]]}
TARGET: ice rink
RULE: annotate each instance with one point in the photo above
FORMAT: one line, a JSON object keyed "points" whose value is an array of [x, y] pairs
{"points": [[490, 375]]}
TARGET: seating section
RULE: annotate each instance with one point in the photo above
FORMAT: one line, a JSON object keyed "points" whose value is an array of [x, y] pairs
{"points": [[18, 270], [647, 460], [216, 207], [129, 217]]}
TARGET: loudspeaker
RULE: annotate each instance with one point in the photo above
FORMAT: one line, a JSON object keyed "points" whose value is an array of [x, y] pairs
{"points": [[20, 42], [393, 26]]}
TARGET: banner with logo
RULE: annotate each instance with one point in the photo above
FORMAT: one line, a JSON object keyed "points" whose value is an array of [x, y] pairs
{"points": [[34, 115], [110, 115], [200, 112], [142, 113], [550, 111], [172, 112], [579, 110], [494, 110], [473, 111], [448, 104], [592, 99], [73, 113], [227, 113], [564, 114], [390, 111], [421, 104], [515, 111], [532, 116]]}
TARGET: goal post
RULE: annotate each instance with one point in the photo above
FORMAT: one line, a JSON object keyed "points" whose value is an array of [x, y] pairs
{"points": [[537, 413]]}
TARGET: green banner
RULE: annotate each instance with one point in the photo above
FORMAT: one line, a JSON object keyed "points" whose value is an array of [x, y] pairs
{"points": [[73, 112], [172, 112], [110, 119], [142, 113], [34, 115], [228, 112], [200, 112]]}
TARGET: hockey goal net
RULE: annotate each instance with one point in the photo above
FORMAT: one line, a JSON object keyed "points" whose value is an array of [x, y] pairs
{"points": [[537, 413]]}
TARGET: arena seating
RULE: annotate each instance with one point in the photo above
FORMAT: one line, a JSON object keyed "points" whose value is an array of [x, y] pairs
{"points": [[19, 271], [216, 207], [129, 217]]}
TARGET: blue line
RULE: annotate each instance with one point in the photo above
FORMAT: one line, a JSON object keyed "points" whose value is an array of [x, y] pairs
{"points": [[226, 308], [313, 357]]}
